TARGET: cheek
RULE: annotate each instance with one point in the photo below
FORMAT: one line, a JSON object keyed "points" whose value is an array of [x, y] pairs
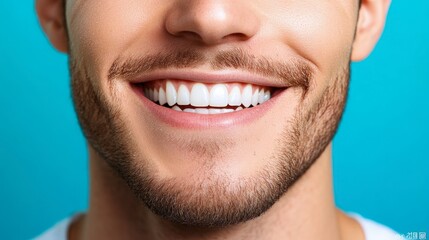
{"points": [[322, 32], [102, 30]]}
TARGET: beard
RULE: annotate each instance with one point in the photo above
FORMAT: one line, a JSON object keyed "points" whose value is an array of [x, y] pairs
{"points": [[209, 200]]}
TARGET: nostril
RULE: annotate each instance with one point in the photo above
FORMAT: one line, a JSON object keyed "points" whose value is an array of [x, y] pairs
{"points": [[189, 35], [193, 36], [236, 37]]}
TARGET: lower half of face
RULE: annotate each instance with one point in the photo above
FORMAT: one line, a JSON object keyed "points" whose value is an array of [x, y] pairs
{"points": [[219, 151], [193, 174]]}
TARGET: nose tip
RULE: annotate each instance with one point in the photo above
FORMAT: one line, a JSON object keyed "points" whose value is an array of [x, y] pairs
{"points": [[212, 22]]}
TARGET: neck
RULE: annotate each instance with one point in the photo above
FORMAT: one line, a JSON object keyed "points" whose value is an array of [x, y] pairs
{"points": [[306, 211]]}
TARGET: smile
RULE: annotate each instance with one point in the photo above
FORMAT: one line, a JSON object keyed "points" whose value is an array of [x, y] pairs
{"points": [[206, 101], [201, 98]]}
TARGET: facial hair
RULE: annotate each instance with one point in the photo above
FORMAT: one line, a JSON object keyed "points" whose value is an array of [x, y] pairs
{"points": [[209, 200]]}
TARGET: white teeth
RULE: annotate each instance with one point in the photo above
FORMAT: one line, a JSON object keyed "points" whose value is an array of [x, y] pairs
{"points": [[199, 95], [183, 95], [210, 110], [246, 97], [219, 96], [227, 110], [171, 94], [215, 110], [189, 110], [267, 96], [255, 97], [146, 92], [235, 97], [202, 110], [150, 92], [162, 98], [151, 97], [155, 95], [261, 96], [177, 108]]}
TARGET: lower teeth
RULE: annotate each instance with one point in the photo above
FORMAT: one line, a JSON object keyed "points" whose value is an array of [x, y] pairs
{"points": [[206, 110]]}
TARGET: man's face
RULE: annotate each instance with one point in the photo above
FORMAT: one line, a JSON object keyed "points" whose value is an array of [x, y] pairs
{"points": [[284, 63]]}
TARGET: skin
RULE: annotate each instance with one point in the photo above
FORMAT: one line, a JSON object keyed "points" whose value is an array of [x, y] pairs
{"points": [[326, 36]]}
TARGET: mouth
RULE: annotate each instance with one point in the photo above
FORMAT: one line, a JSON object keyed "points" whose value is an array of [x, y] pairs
{"points": [[189, 100], [204, 98]]}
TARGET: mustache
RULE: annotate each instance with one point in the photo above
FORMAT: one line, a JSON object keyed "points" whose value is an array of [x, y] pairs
{"points": [[294, 72]]}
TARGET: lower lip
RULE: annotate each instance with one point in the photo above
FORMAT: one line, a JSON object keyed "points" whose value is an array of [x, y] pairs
{"points": [[187, 120]]}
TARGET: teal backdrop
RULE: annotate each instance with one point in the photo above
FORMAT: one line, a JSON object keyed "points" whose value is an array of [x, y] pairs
{"points": [[381, 152]]}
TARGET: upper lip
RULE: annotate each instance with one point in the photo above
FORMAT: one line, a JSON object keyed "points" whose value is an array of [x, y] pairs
{"points": [[210, 77]]}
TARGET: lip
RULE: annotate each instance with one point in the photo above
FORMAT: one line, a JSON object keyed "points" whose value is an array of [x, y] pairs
{"points": [[186, 120], [221, 76]]}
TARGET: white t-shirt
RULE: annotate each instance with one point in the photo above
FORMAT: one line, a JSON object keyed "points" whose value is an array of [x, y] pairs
{"points": [[371, 229]]}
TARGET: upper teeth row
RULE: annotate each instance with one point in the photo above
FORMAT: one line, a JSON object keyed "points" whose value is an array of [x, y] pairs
{"points": [[200, 96]]}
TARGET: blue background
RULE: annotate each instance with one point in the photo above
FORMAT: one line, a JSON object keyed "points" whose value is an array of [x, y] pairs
{"points": [[381, 157]]}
